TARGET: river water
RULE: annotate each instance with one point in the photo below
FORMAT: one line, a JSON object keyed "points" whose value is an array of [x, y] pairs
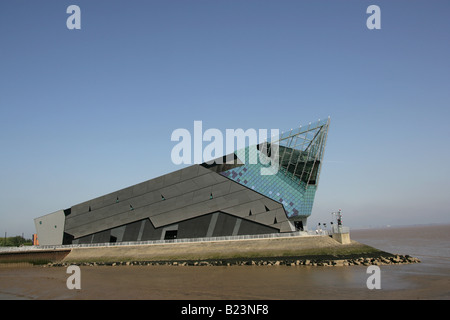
{"points": [[429, 279]]}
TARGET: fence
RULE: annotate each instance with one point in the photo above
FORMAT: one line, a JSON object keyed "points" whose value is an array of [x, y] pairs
{"points": [[340, 229], [149, 242]]}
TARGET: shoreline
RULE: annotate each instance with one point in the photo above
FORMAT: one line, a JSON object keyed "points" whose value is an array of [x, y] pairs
{"points": [[309, 251], [383, 258]]}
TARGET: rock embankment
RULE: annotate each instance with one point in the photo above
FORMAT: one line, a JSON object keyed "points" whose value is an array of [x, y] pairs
{"points": [[364, 261]]}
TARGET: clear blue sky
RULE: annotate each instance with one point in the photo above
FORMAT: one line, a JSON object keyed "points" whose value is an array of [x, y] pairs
{"points": [[87, 112]]}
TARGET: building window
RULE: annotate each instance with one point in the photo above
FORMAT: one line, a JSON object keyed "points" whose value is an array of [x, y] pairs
{"points": [[170, 234], [299, 225]]}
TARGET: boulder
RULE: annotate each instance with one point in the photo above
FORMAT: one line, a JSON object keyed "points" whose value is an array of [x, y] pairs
{"points": [[338, 262]]}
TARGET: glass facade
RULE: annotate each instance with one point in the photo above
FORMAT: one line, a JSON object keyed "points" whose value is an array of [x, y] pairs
{"points": [[294, 184]]}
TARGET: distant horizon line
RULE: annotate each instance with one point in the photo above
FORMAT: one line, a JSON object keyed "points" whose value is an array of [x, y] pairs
{"points": [[388, 226]]}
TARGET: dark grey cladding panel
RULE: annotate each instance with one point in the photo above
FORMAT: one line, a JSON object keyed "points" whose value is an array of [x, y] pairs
{"points": [[118, 233], [220, 178], [186, 196], [150, 232], [280, 214], [182, 187], [182, 213], [132, 231], [221, 188], [114, 209], [122, 194], [101, 237], [171, 191], [236, 187], [266, 218], [270, 204], [225, 225], [155, 184], [100, 202], [215, 224], [136, 231], [237, 204], [274, 218], [183, 174], [194, 228], [183, 200], [78, 209], [191, 172], [138, 189], [248, 227], [172, 178], [143, 200], [98, 214], [205, 180], [201, 195], [84, 240], [109, 222]]}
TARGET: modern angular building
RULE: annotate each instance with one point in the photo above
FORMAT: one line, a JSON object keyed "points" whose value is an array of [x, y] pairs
{"points": [[204, 200]]}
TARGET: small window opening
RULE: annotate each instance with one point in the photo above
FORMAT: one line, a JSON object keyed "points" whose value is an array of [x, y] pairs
{"points": [[298, 225], [170, 234]]}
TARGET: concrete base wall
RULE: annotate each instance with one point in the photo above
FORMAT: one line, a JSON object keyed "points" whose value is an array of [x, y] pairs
{"points": [[232, 249], [343, 238], [34, 257]]}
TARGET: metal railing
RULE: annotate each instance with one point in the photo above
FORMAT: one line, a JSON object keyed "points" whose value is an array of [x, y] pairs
{"points": [[340, 229], [156, 242]]}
